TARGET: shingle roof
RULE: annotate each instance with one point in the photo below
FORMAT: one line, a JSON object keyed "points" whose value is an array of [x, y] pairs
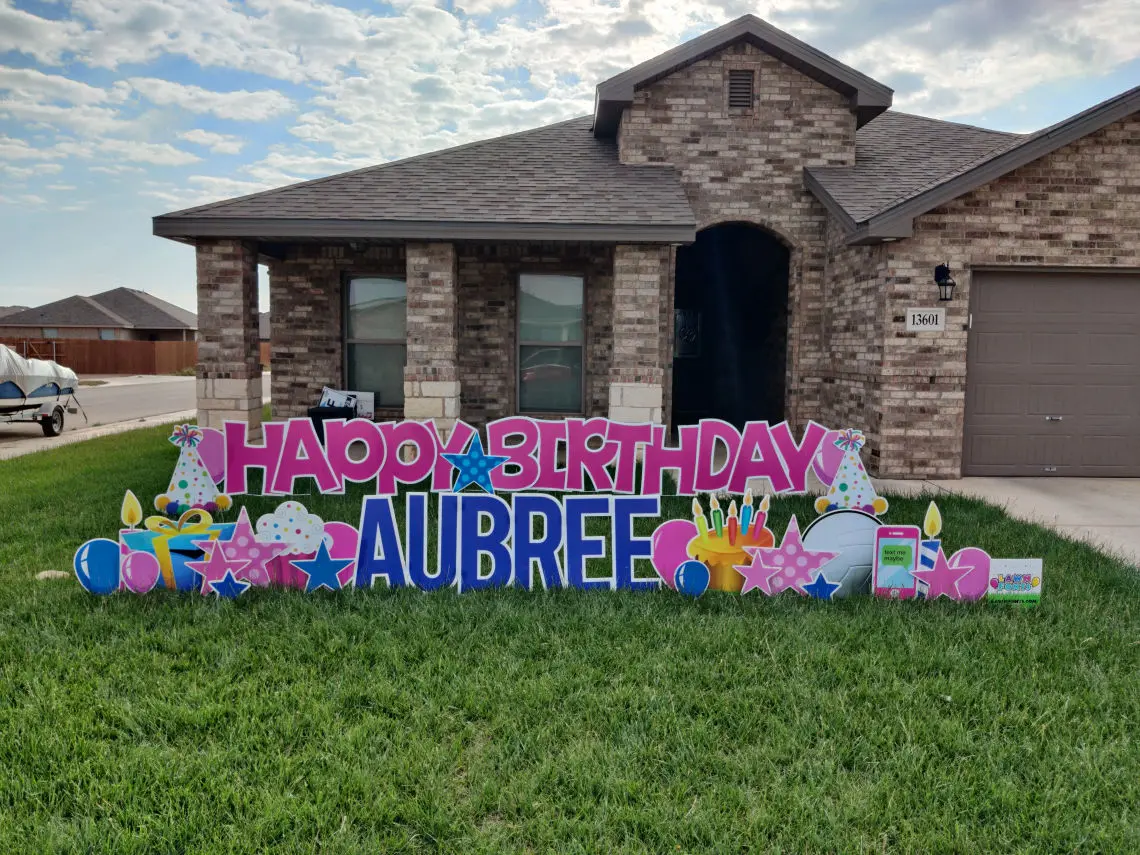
{"points": [[898, 155], [10, 310], [121, 308], [75, 311], [557, 179], [146, 311], [910, 165]]}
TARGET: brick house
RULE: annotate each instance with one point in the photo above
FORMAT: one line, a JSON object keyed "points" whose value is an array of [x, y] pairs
{"points": [[737, 232], [121, 314]]}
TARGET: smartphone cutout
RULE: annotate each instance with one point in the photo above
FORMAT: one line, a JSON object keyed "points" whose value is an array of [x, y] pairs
{"points": [[896, 559]]}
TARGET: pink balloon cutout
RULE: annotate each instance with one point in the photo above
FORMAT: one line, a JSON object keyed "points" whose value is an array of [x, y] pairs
{"points": [[212, 450], [345, 541], [140, 572], [669, 548], [827, 459], [973, 585]]}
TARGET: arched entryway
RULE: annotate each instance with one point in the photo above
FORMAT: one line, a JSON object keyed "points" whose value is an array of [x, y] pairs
{"points": [[730, 326]]}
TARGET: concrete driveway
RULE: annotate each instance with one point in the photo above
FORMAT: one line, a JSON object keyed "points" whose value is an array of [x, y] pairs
{"points": [[1101, 511]]}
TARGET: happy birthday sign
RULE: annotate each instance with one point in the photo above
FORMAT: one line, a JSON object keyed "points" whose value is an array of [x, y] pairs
{"points": [[516, 512]]}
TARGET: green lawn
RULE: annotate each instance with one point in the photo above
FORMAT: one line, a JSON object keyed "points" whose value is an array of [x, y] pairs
{"points": [[380, 721]]}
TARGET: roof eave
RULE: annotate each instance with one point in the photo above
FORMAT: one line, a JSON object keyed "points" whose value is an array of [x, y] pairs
{"points": [[184, 228]]}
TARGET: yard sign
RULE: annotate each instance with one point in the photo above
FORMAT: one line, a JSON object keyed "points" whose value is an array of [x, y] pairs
{"points": [[516, 512]]}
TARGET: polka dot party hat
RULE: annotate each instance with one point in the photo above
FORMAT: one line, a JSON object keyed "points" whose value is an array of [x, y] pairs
{"points": [[191, 487], [852, 488]]}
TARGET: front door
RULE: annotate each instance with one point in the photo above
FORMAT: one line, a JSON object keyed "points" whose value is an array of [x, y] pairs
{"points": [[730, 326]]}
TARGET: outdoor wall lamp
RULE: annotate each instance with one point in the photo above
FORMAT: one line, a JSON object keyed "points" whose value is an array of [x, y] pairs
{"points": [[945, 282]]}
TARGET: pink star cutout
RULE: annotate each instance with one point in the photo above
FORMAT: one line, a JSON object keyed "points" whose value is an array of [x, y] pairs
{"points": [[942, 579], [215, 567], [789, 566], [244, 545]]}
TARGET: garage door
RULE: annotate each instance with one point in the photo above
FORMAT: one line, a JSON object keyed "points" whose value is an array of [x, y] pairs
{"points": [[1053, 376]]}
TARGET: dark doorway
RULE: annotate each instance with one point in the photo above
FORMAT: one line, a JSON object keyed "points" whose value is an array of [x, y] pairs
{"points": [[730, 326]]}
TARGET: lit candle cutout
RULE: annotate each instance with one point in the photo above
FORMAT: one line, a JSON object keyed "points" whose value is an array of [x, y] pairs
{"points": [[717, 517], [699, 519], [746, 511], [131, 511], [928, 550], [733, 524]]}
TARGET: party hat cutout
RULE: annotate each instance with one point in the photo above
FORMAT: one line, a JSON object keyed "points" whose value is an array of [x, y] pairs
{"points": [[191, 487], [852, 489]]}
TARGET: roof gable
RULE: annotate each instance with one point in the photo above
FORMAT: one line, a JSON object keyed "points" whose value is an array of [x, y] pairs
{"points": [[843, 189], [868, 97]]}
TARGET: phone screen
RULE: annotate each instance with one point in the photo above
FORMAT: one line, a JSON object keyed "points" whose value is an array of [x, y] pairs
{"points": [[896, 561]]}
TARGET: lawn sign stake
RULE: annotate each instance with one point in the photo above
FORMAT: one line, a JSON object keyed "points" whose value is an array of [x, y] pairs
{"points": [[509, 515]]}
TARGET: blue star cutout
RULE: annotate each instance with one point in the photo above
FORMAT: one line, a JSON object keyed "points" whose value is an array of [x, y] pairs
{"points": [[229, 587], [322, 570], [820, 588], [474, 466]]}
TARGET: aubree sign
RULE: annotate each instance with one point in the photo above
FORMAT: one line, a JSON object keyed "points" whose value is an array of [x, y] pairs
{"points": [[515, 512]]}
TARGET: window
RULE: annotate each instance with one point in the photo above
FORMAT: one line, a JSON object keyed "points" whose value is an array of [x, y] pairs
{"points": [[740, 89], [50, 332], [550, 343], [106, 335], [375, 337]]}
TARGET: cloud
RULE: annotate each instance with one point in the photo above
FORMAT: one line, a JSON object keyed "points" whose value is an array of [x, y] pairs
{"points": [[241, 104], [61, 187], [45, 40], [33, 85], [217, 143], [22, 172]]}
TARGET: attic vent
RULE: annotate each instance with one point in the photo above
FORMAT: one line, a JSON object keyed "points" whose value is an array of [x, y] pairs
{"points": [[740, 90]]}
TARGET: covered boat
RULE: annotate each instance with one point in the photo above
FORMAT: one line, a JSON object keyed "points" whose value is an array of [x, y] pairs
{"points": [[35, 389]]}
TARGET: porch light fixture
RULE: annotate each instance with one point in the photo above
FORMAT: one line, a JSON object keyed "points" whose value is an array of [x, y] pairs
{"points": [[945, 282]]}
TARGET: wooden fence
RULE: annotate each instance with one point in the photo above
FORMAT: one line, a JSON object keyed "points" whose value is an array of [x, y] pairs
{"points": [[91, 356]]}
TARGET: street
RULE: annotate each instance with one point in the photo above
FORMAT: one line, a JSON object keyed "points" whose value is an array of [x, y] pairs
{"points": [[123, 399]]}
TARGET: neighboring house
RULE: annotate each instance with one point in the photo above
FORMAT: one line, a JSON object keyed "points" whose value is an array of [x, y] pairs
{"points": [[738, 231], [9, 310], [121, 314]]}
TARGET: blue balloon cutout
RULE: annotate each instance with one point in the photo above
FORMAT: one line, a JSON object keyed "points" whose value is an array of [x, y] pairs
{"points": [[97, 566], [692, 578]]}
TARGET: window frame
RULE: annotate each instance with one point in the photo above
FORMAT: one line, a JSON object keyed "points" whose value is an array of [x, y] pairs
{"points": [[345, 341], [582, 343]]}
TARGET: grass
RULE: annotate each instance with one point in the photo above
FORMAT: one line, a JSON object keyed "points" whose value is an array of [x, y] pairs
{"points": [[396, 721]]}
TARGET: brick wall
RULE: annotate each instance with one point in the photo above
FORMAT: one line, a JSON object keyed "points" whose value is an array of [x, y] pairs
{"points": [[748, 166], [229, 371], [306, 313], [488, 312], [306, 317], [853, 324], [1079, 206]]}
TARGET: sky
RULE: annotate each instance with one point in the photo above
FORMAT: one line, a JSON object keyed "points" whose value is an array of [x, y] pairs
{"points": [[114, 111]]}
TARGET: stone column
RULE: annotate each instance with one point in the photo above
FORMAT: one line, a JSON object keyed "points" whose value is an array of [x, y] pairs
{"points": [[641, 282], [229, 367], [431, 378]]}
